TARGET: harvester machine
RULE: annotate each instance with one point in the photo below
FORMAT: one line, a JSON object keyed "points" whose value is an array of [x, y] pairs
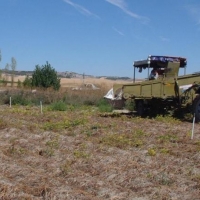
{"points": [[163, 90]]}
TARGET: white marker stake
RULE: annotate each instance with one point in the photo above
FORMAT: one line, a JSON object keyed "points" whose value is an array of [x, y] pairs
{"points": [[192, 136], [41, 107], [10, 102]]}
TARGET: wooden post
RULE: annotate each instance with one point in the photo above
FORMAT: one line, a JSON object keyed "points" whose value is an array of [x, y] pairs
{"points": [[192, 136], [41, 111], [10, 102]]}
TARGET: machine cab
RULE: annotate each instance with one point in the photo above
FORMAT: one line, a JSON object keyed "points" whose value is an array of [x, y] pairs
{"points": [[160, 67]]}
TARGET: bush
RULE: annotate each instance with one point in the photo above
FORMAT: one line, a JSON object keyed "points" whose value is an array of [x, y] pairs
{"points": [[45, 77], [130, 104], [104, 106], [58, 106], [27, 82], [20, 100]]}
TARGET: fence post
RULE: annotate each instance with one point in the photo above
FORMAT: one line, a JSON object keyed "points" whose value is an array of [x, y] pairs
{"points": [[41, 111], [192, 136], [10, 102]]}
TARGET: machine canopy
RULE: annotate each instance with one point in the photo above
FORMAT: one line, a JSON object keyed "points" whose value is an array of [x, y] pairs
{"points": [[158, 61]]}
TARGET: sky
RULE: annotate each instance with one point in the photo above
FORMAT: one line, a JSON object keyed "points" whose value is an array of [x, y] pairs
{"points": [[98, 37]]}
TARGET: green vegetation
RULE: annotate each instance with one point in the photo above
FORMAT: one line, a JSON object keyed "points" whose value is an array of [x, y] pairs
{"points": [[45, 77], [59, 106], [167, 119], [27, 83], [130, 104], [57, 100], [134, 139], [104, 106], [117, 78], [151, 152], [62, 125], [19, 99], [167, 138]]}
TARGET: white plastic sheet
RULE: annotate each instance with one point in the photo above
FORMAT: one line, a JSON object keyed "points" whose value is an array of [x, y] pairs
{"points": [[110, 95]]}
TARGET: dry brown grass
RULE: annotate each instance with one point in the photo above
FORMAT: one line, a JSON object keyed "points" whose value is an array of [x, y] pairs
{"points": [[77, 82], [78, 154]]}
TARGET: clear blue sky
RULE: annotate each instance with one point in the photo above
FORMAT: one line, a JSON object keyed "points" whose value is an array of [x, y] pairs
{"points": [[98, 37]]}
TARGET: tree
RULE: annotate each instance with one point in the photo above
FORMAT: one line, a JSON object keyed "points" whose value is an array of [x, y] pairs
{"points": [[0, 69], [6, 71], [27, 82], [45, 77], [13, 67]]}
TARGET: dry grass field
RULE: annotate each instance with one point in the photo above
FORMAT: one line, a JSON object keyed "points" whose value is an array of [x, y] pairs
{"points": [[78, 154], [77, 82], [84, 154]]}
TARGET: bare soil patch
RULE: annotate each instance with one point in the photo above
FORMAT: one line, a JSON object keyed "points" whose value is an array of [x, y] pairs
{"points": [[78, 154]]}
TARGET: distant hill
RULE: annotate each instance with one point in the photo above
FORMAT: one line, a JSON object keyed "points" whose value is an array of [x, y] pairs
{"points": [[68, 74]]}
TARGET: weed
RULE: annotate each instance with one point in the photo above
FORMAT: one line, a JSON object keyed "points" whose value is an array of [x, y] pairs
{"points": [[197, 143], [130, 104], [56, 126], [49, 152], [89, 133], [163, 179], [113, 114], [19, 99], [123, 140], [81, 154], [167, 119], [66, 168], [58, 106], [14, 150], [51, 145], [71, 107], [167, 138], [164, 151], [151, 152], [104, 106], [3, 124], [140, 133], [95, 126]]}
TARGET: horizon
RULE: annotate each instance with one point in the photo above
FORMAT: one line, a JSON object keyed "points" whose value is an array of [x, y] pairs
{"points": [[100, 38]]}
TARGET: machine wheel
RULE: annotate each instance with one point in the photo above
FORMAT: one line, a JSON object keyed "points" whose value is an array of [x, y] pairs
{"points": [[196, 108], [140, 108]]}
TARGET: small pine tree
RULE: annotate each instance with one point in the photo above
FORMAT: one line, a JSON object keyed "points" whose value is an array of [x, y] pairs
{"points": [[45, 77], [27, 82]]}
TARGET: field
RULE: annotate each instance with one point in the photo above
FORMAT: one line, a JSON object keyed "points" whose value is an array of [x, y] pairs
{"points": [[76, 82], [82, 153]]}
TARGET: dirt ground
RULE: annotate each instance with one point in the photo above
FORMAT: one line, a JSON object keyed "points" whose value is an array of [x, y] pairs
{"points": [[82, 154]]}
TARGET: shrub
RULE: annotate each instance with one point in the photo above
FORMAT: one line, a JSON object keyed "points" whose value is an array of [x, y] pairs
{"points": [[20, 100], [130, 104], [45, 77], [27, 82], [58, 106], [104, 106]]}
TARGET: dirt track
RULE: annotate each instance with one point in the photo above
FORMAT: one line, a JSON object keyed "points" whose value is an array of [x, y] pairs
{"points": [[80, 155]]}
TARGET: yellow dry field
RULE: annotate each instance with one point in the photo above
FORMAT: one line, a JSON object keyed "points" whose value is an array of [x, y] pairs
{"points": [[77, 82], [74, 82]]}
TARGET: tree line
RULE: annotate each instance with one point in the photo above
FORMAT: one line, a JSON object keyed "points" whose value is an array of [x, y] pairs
{"points": [[44, 76]]}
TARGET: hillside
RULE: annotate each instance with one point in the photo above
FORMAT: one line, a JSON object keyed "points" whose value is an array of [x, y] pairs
{"points": [[67, 74]]}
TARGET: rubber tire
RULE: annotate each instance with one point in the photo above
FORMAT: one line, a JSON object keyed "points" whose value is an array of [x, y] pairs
{"points": [[196, 108]]}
